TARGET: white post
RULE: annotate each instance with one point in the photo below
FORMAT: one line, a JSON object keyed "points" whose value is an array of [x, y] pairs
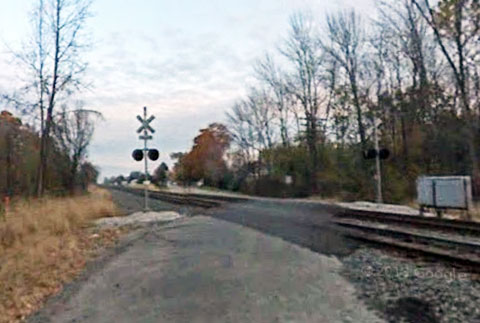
{"points": [[145, 157], [378, 173]]}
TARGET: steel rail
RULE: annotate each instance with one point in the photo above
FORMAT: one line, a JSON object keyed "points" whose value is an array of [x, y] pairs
{"points": [[462, 226], [471, 261], [174, 198], [471, 246], [452, 250]]}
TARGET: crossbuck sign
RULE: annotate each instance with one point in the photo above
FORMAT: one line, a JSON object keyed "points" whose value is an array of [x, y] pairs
{"points": [[145, 122]]}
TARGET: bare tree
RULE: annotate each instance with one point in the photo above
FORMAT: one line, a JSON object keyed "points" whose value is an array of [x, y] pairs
{"points": [[241, 129], [30, 98], [262, 112], [73, 131], [345, 40], [251, 122], [407, 46], [303, 50], [268, 72], [54, 66], [403, 23], [456, 26]]}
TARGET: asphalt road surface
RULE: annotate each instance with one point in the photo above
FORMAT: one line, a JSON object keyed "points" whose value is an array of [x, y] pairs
{"points": [[259, 261]]}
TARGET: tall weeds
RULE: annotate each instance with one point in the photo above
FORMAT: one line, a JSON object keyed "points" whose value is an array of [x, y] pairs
{"points": [[43, 243]]}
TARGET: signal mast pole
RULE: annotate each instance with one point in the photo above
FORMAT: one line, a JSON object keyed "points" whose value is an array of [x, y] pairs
{"points": [[145, 152], [378, 174]]}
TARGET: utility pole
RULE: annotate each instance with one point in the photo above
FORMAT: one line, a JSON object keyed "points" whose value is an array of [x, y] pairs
{"points": [[378, 170]]}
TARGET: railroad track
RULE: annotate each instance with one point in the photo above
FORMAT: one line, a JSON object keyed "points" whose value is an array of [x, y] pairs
{"points": [[455, 241], [444, 225], [198, 200]]}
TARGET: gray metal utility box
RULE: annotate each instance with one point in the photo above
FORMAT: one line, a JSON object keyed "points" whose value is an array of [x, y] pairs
{"points": [[445, 192]]}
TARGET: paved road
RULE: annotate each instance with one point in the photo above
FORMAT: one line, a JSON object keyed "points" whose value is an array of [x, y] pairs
{"points": [[302, 223], [242, 263]]}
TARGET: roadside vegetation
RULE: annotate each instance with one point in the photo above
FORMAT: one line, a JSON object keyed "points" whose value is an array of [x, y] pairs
{"points": [[47, 201], [45, 129], [67, 172], [413, 71], [45, 243]]}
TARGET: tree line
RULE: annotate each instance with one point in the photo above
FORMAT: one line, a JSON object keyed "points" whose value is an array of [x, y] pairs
{"points": [[159, 177], [48, 153], [412, 71]]}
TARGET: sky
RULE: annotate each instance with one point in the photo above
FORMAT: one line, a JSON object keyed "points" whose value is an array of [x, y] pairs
{"points": [[187, 61]]}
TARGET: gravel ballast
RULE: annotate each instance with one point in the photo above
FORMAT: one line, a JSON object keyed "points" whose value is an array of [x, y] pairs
{"points": [[129, 203], [139, 218], [404, 290]]}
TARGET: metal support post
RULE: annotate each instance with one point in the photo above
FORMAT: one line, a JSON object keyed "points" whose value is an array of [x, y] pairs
{"points": [[378, 173], [145, 150]]}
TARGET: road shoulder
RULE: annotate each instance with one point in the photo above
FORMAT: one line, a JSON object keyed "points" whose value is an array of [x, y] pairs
{"points": [[202, 269]]}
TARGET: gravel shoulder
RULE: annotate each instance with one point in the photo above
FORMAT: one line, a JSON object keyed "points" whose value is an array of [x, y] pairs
{"points": [[138, 218], [411, 291]]}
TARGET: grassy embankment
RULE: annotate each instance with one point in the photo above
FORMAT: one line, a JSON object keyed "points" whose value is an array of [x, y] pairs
{"points": [[45, 243]]}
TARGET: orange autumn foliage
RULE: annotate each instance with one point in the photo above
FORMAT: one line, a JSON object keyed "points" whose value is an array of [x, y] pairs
{"points": [[205, 160]]}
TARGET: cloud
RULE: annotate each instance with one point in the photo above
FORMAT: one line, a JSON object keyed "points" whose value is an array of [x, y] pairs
{"points": [[186, 80], [115, 140], [187, 61]]}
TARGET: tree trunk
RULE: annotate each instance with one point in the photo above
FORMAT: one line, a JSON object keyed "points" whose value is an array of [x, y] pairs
{"points": [[356, 101], [404, 141], [44, 147], [312, 147], [41, 168]]}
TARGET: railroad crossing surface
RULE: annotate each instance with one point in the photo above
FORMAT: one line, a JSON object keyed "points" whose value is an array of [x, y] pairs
{"points": [[231, 259]]}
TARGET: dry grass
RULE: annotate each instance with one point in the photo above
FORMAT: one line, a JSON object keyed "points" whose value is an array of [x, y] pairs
{"points": [[44, 243], [475, 212]]}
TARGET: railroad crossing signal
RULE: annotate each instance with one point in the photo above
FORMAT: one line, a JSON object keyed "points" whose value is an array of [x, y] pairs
{"points": [[373, 153], [153, 154], [384, 153], [139, 154]]}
